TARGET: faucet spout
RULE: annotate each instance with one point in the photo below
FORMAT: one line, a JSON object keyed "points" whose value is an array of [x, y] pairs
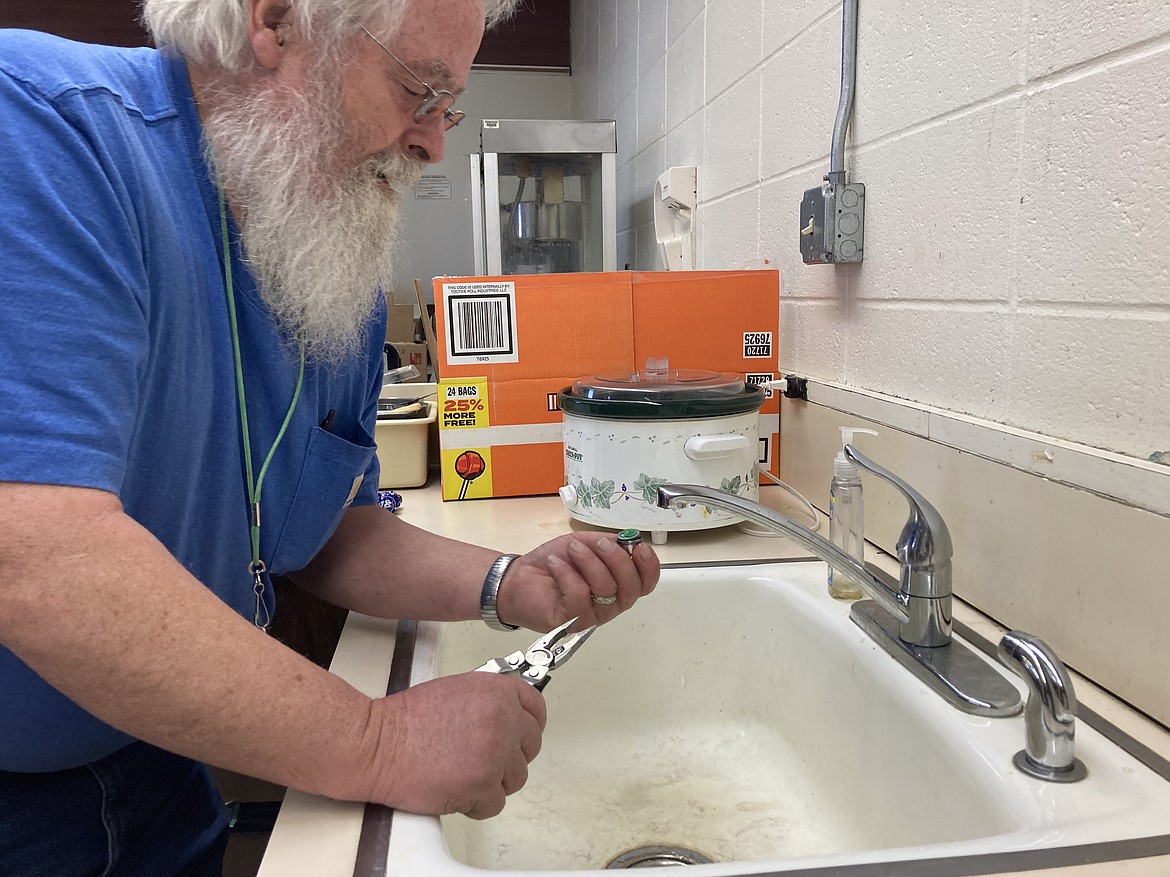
{"points": [[922, 604], [913, 623], [894, 602]]}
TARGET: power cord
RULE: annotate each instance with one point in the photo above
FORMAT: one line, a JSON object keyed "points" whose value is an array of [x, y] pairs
{"points": [[756, 530], [792, 387]]}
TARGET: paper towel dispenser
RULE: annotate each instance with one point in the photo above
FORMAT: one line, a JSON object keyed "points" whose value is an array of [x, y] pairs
{"points": [[676, 202]]}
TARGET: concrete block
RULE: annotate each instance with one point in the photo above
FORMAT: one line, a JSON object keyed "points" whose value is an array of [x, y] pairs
{"points": [[647, 166], [626, 196], [607, 33], [797, 113], [942, 209], [1087, 375], [733, 43], [625, 63], [684, 146], [784, 22], [651, 35], [652, 103], [627, 128], [1096, 228], [729, 233], [1062, 33], [684, 77], [925, 352], [731, 139], [680, 15], [916, 61], [813, 339]]}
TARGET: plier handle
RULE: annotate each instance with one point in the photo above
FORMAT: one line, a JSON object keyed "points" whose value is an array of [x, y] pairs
{"points": [[548, 653]]}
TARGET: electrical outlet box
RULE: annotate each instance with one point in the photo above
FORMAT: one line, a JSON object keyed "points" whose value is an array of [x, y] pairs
{"points": [[814, 211], [832, 224]]}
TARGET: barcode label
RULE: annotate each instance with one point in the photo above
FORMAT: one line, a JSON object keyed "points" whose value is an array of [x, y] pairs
{"points": [[481, 322], [480, 325]]}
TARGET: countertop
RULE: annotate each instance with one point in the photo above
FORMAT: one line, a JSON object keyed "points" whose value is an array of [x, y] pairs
{"points": [[318, 837]]}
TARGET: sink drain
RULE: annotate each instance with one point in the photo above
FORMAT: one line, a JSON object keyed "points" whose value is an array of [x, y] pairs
{"points": [[656, 857]]}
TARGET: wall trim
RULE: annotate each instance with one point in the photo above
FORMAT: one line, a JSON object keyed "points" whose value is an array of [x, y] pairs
{"points": [[1129, 480]]}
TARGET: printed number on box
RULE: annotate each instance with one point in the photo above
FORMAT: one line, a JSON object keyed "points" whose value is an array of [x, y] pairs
{"points": [[757, 345]]}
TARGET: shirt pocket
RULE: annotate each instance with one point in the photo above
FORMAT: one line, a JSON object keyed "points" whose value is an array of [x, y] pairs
{"points": [[330, 478]]}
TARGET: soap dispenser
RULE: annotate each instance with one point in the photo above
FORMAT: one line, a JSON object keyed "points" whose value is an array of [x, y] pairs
{"points": [[846, 516]]}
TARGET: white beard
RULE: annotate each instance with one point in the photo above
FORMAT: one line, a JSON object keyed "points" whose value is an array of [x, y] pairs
{"points": [[318, 240]]}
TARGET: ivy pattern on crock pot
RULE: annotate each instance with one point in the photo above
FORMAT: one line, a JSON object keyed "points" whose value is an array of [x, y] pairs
{"points": [[604, 494]]}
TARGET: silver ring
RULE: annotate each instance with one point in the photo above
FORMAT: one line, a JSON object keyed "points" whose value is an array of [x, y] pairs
{"points": [[603, 601]]}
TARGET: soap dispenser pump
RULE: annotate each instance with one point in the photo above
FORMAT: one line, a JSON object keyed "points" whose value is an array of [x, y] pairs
{"points": [[846, 516]]}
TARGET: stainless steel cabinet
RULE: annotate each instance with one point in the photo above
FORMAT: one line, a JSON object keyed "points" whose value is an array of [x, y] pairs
{"points": [[544, 196]]}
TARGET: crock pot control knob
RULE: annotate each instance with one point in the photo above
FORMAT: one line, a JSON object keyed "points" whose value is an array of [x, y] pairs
{"points": [[714, 447], [568, 496]]}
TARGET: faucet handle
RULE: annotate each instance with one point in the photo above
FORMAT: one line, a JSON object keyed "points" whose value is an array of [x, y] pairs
{"points": [[925, 539], [1051, 712]]}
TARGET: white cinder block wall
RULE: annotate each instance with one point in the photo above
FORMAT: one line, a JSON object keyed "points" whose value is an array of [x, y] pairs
{"points": [[1016, 158]]}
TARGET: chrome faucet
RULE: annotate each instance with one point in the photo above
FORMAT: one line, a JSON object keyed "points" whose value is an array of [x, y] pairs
{"points": [[924, 553], [912, 622], [922, 604]]}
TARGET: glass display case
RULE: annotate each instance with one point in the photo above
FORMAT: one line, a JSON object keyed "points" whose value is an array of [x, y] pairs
{"points": [[545, 199]]}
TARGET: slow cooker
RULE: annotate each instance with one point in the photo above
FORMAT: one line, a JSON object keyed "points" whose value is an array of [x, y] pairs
{"points": [[626, 433]]}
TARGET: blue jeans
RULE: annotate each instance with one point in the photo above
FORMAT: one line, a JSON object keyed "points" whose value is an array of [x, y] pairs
{"points": [[140, 812]]}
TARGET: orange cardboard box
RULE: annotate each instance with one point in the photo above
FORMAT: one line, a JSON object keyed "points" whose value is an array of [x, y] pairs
{"points": [[508, 345]]}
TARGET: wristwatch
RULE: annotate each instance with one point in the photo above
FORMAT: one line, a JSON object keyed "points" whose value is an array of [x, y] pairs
{"points": [[490, 592]]}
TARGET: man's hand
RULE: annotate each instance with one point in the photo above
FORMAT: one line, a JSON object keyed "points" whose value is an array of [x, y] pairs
{"points": [[456, 744], [557, 581]]}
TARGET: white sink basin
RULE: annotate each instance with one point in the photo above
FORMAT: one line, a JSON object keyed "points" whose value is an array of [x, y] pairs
{"points": [[739, 713]]}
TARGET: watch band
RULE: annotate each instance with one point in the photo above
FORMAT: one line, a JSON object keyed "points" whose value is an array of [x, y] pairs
{"points": [[491, 589]]}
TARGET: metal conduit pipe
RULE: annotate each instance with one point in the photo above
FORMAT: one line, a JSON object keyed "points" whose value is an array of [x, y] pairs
{"points": [[836, 175]]}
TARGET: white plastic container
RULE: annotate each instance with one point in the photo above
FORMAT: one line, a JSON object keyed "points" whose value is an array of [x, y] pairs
{"points": [[402, 448]]}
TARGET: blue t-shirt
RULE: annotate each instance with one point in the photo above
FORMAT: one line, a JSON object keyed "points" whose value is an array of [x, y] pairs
{"points": [[116, 367]]}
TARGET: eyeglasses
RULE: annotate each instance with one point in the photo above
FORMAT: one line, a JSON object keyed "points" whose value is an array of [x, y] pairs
{"points": [[434, 102]]}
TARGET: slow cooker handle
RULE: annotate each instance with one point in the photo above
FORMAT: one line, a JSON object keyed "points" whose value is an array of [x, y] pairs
{"points": [[715, 447], [568, 495]]}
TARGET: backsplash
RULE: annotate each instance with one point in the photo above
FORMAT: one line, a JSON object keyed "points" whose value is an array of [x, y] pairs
{"points": [[1084, 573]]}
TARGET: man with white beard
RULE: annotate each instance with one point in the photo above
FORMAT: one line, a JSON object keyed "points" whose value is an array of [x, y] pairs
{"points": [[194, 241]]}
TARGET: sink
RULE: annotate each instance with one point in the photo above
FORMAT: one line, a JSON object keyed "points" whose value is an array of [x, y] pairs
{"points": [[738, 715]]}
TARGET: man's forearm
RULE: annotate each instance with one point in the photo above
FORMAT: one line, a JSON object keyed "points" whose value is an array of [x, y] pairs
{"points": [[379, 565], [116, 624]]}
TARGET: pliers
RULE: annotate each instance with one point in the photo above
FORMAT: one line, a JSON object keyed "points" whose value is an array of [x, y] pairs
{"points": [[548, 653]]}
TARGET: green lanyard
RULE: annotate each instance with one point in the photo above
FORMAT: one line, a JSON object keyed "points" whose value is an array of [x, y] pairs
{"points": [[261, 617]]}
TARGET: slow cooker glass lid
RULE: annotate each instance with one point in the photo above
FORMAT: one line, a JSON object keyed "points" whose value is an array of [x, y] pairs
{"points": [[658, 383]]}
